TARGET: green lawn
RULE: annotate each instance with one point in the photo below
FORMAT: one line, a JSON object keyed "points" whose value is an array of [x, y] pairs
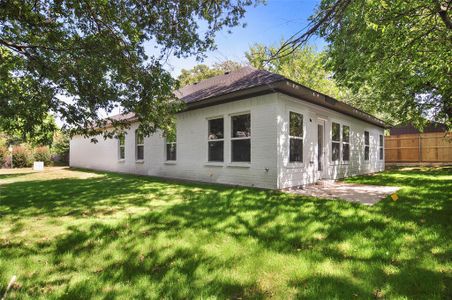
{"points": [[77, 234]]}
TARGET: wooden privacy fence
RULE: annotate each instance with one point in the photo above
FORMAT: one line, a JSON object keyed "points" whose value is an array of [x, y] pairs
{"points": [[431, 147]]}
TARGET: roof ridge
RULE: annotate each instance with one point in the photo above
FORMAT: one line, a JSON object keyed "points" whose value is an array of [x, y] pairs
{"points": [[226, 73]]}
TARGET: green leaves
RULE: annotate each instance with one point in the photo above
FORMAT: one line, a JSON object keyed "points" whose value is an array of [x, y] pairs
{"points": [[399, 51], [303, 65], [92, 53], [201, 72]]}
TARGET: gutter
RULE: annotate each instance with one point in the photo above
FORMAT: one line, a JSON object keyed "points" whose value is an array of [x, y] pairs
{"points": [[293, 89]]}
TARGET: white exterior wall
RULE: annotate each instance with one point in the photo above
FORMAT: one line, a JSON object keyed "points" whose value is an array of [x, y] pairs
{"points": [[191, 163], [104, 155], [269, 167], [296, 174]]}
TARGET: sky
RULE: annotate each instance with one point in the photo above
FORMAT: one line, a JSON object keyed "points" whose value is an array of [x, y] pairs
{"points": [[266, 23]]}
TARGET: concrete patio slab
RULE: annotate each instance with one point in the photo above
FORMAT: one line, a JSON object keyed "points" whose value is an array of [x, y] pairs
{"points": [[360, 193]]}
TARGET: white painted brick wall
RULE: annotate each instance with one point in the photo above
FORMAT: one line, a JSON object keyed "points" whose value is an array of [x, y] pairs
{"points": [[291, 174], [269, 130], [192, 148]]}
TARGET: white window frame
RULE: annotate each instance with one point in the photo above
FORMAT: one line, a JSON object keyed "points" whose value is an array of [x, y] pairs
{"points": [[338, 142], [366, 145], [345, 143], [297, 138], [381, 147], [215, 140], [122, 136], [239, 138], [166, 150], [137, 134]]}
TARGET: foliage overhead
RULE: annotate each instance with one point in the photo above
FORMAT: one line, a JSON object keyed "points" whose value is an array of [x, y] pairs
{"points": [[202, 71], [93, 54], [398, 51], [304, 66], [41, 133]]}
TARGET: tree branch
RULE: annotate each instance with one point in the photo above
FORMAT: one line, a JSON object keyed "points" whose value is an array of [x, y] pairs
{"points": [[443, 13], [302, 36], [22, 47]]}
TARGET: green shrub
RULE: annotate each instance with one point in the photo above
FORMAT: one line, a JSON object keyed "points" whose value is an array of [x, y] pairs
{"points": [[3, 141], [3, 156], [22, 157], [60, 147], [43, 154]]}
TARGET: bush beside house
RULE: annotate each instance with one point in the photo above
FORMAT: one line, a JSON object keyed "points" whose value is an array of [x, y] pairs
{"points": [[43, 154], [22, 156], [3, 156]]}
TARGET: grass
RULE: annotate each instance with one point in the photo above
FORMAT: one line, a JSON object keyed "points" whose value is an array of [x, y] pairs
{"points": [[78, 234]]}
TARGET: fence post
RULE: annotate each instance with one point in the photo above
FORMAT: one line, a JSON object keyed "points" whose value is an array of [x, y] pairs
{"points": [[420, 148]]}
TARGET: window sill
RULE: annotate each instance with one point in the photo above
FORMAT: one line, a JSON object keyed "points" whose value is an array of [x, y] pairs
{"points": [[169, 162], [239, 164], [140, 161], [294, 165], [121, 160], [214, 164]]}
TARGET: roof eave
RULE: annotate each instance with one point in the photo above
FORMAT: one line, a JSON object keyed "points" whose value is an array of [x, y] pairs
{"points": [[298, 91], [293, 89]]}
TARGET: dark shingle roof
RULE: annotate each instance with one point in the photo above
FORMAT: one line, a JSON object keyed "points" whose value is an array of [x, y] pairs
{"points": [[244, 78], [129, 117], [124, 116], [248, 82]]}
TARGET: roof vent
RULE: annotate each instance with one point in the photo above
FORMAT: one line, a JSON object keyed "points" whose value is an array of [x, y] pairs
{"points": [[195, 83], [227, 72]]}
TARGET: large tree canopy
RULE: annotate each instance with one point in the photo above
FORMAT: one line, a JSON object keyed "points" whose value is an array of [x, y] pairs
{"points": [[77, 58], [399, 52], [304, 65], [202, 71]]}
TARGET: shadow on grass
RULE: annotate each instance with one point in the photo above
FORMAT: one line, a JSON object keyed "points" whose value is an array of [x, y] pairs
{"points": [[208, 240], [13, 175]]}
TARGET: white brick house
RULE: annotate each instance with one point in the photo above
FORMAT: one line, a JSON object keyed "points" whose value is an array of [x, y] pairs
{"points": [[252, 128]]}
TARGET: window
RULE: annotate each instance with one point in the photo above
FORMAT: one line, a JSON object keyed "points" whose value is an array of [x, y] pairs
{"points": [[366, 145], [335, 141], [122, 146], [345, 143], [139, 145], [170, 148], [295, 137], [216, 140], [381, 147], [241, 138]]}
